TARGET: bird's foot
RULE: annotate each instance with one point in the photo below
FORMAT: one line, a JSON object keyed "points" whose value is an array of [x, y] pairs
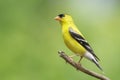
{"points": [[78, 64], [71, 57]]}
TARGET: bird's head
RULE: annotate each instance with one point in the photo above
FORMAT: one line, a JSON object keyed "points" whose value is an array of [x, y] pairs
{"points": [[64, 18]]}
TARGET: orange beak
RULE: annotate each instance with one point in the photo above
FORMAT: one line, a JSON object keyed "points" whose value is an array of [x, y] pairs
{"points": [[57, 18]]}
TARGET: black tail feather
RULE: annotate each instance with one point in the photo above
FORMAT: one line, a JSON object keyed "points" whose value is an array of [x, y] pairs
{"points": [[97, 65]]}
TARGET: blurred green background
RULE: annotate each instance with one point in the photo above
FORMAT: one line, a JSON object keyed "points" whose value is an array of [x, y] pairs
{"points": [[30, 38]]}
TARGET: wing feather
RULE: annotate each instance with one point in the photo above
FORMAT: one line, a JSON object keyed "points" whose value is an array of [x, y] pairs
{"points": [[82, 42]]}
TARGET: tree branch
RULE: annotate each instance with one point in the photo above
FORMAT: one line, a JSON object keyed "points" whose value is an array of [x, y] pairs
{"points": [[81, 68]]}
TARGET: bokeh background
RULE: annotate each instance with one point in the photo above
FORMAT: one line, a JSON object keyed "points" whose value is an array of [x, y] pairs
{"points": [[30, 38]]}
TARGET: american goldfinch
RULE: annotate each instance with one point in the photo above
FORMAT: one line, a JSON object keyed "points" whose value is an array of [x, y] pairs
{"points": [[74, 39]]}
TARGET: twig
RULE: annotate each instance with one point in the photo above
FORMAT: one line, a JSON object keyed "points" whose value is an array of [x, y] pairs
{"points": [[81, 68]]}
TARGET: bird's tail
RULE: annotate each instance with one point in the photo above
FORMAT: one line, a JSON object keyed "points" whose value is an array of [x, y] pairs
{"points": [[93, 59], [97, 64]]}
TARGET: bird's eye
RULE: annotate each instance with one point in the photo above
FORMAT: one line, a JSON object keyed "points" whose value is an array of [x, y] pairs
{"points": [[61, 15]]}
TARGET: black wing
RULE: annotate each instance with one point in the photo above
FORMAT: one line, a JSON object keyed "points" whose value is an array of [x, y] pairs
{"points": [[82, 41]]}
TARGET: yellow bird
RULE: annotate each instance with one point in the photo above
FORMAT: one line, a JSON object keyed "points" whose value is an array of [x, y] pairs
{"points": [[74, 39]]}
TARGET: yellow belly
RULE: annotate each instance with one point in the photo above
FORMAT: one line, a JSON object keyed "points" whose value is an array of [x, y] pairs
{"points": [[73, 45]]}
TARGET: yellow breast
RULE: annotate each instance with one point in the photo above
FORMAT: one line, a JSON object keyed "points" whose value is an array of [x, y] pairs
{"points": [[72, 44]]}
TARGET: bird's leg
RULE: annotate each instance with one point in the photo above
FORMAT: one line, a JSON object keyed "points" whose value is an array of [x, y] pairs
{"points": [[72, 56], [80, 59]]}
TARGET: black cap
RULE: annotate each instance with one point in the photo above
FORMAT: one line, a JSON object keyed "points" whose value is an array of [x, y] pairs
{"points": [[61, 15]]}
